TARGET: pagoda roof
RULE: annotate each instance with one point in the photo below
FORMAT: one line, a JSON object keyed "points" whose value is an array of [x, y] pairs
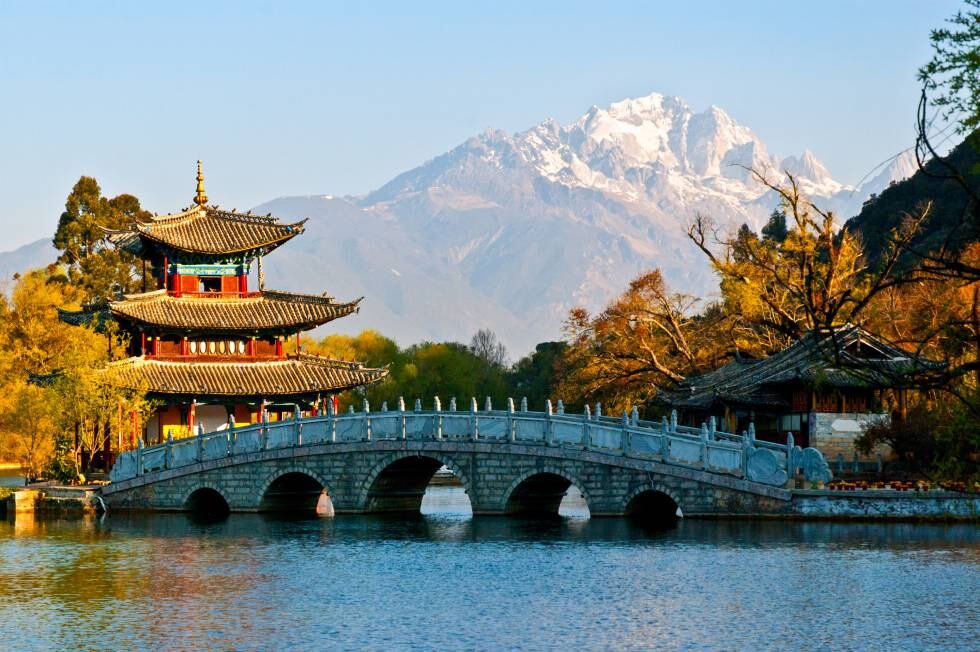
{"points": [[206, 230], [840, 357], [266, 310], [297, 375]]}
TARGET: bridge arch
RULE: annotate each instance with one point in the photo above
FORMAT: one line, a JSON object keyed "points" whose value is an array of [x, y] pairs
{"points": [[207, 500], [398, 482], [295, 489], [526, 495], [653, 503]]}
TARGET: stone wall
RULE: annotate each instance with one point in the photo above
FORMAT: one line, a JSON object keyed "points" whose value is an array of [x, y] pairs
{"points": [[835, 433], [890, 505]]}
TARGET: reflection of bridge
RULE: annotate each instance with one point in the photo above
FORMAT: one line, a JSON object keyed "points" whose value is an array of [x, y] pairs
{"points": [[508, 461]]}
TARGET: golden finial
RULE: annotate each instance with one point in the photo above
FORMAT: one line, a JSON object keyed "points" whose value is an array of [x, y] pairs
{"points": [[201, 198]]}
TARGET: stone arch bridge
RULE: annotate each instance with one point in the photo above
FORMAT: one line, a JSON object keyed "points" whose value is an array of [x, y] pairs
{"points": [[509, 461]]}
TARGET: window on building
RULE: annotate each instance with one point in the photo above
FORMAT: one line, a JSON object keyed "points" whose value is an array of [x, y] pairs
{"points": [[210, 284], [793, 422]]}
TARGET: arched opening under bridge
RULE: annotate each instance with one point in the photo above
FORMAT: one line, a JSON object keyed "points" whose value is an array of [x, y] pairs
{"points": [[653, 508], [417, 484], [296, 493], [207, 503], [547, 494]]}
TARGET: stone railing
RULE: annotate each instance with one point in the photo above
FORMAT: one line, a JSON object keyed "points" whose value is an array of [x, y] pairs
{"points": [[704, 448]]}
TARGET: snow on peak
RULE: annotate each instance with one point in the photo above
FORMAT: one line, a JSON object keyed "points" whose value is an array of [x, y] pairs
{"points": [[806, 166], [901, 167], [518, 228], [654, 136]]}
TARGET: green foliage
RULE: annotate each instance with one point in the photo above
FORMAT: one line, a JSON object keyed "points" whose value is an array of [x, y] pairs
{"points": [[533, 376], [938, 440], [99, 270], [62, 465], [954, 70], [423, 371], [775, 229]]}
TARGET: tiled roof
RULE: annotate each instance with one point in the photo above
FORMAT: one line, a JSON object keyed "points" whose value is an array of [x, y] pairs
{"points": [[845, 356], [207, 230], [262, 311], [298, 375]]}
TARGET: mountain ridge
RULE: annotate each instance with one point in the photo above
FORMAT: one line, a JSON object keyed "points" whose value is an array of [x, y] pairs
{"points": [[511, 230]]}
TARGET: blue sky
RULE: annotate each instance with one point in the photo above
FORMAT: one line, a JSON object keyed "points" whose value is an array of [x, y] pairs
{"points": [[310, 98]]}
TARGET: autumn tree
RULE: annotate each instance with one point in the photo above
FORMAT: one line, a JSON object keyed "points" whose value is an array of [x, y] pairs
{"points": [[29, 424], [52, 374], [645, 339], [815, 276], [98, 269]]}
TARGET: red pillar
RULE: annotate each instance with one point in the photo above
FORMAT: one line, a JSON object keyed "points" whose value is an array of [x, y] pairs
{"points": [[166, 273], [278, 348]]}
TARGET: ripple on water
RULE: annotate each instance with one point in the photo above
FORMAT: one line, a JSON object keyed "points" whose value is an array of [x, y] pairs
{"points": [[448, 580]]}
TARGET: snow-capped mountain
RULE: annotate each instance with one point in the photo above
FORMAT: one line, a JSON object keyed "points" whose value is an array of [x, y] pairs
{"points": [[509, 231]]}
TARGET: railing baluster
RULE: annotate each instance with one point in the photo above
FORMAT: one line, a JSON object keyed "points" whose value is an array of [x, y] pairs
{"points": [[297, 415], [200, 442], [705, 434], [367, 420], [586, 427], [549, 427], [401, 418], [139, 456], [475, 420], [437, 418], [624, 445]]}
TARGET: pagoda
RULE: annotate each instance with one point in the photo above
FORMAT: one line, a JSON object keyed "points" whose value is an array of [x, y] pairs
{"points": [[206, 347]]}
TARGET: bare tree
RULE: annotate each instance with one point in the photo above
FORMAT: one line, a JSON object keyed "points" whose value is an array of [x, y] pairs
{"points": [[485, 345]]}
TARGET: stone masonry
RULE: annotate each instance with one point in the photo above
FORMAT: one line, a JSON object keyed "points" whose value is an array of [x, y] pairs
{"points": [[834, 433], [361, 476]]}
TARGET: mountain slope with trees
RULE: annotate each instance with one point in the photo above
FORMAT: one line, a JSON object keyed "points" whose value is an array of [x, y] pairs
{"points": [[946, 226]]}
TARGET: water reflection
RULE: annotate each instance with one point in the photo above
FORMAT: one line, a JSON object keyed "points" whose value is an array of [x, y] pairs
{"points": [[447, 579]]}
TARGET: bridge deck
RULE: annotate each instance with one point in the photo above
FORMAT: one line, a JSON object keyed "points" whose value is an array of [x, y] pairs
{"points": [[619, 441]]}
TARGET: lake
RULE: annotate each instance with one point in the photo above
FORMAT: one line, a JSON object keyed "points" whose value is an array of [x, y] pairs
{"points": [[446, 580]]}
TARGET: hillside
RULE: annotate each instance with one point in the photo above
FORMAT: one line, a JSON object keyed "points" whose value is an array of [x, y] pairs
{"points": [[950, 203], [32, 255]]}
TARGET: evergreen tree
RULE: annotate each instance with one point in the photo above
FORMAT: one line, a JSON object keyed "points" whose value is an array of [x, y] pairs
{"points": [[99, 269], [775, 229]]}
